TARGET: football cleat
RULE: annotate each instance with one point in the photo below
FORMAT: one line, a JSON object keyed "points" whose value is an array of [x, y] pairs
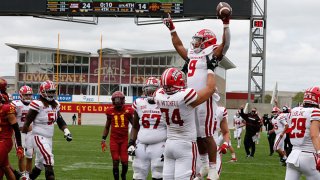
{"points": [[213, 175], [233, 160]]}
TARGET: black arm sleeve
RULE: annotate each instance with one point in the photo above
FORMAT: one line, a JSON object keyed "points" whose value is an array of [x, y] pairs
{"points": [[17, 133], [61, 122], [243, 115]]}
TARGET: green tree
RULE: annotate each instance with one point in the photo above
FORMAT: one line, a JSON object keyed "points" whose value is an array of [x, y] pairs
{"points": [[297, 99], [267, 98]]}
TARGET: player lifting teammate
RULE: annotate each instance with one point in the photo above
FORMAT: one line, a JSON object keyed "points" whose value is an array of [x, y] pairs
{"points": [[203, 48], [43, 113], [118, 118], [149, 133]]}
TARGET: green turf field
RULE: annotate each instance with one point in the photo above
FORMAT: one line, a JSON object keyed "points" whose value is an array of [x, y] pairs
{"points": [[82, 159]]}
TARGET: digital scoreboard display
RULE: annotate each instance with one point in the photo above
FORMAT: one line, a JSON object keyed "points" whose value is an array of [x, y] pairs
{"points": [[115, 6]]}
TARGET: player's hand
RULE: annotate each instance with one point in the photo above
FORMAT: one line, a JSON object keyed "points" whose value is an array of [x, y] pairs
{"points": [[20, 152], [67, 134], [318, 162], [162, 157], [168, 22], [131, 150], [103, 145], [212, 64], [223, 148], [185, 67]]}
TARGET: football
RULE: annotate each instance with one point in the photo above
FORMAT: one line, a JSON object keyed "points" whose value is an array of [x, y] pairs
{"points": [[224, 10]]}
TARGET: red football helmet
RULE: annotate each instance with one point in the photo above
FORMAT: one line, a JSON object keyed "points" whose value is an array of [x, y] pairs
{"points": [[3, 85], [275, 110], [311, 96], [172, 80], [48, 90], [25, 94], [150, 86], [203, 39], [118, 99]]}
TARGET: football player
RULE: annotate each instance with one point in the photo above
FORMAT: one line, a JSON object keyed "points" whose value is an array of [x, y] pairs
{"points": [[304, 157], [43, 113], [148, 134], [8, 125], [177, 103], [280, 126], [118, 118], [237, 124], [22, 108], [203, 48]]}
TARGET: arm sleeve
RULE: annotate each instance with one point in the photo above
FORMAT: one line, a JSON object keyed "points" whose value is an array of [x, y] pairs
{"points": [[17, 133], [190, 96], [315, 115]]}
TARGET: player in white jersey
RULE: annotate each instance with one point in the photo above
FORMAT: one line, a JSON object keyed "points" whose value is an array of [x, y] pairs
{"points": [[203, 48], [43, 114], [237, 125], [280, 126], [148, 134], [304, 158], [177, 103], [22, 108]]}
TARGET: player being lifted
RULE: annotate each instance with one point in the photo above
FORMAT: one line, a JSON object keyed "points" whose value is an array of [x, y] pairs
{"points": [[118, 118], [22, 108], [305, 155], [148, 134], [8, 125], [203, 48], [43, 113], [177, 103]]}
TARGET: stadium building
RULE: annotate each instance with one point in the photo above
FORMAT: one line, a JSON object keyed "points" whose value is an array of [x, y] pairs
{"points": [[122, 69]]}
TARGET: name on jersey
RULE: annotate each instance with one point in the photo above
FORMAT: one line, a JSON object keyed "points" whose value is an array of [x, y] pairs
{"points": [[297, 113], [196, 57], [168, 103], [151, 111]]}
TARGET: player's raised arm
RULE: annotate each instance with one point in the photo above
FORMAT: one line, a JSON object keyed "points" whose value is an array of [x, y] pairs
{"points": [[224, 12], [177, 43], [205, 93]]}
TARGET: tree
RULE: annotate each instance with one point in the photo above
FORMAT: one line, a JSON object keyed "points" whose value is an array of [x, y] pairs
{"points": [[267, 98], [297, 99]]}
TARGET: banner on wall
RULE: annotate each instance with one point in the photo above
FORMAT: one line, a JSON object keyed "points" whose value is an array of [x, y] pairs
{"points": [[17, 96], [85, 107]]}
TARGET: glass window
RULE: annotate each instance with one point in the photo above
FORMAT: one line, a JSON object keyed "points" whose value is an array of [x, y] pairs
{"points": [[54, 58], [71, 59], [85, 60], [134, 70], [77, 60], [155, 71], [84, 89], [77, 89], [64, 58], [22, 68], [71, 87], [155, 61], [141, 61], [63, 89], [148, 60], [22, 57], [84, 69], [140, 71], [77, 69], [64, 69], [36, 57], [169, 60], [161, 70], [134, 61], [148, 71], [163, 60], [29, 56], [49, 58], [70, 69]]}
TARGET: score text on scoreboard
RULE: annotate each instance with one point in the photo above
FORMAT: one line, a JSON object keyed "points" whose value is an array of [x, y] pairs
{"points": [[258, 23], [108, 7]]}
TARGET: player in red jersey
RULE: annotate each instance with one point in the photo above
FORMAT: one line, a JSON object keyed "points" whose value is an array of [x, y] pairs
{"points": [[8, 124], [118, 118]]}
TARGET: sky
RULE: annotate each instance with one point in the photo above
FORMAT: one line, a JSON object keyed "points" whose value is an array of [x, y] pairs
{"points": [[292, 50]]}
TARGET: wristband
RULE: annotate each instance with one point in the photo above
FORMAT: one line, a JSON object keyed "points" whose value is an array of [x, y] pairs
{"points": [[210, 71], [173, 30], [225, 25], [104, 137]]}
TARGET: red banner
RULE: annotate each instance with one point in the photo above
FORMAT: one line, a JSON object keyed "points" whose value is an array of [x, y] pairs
{"points": [[84, 107]]}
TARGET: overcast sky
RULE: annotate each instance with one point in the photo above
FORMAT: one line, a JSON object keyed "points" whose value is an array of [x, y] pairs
{"points": [[293, 41]]}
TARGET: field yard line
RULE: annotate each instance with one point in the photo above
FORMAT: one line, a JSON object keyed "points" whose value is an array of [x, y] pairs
{"points": [[87, 165]]}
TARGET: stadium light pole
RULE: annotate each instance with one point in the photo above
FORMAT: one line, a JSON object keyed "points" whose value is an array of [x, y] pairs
{"points": [[57, 64], [99, 68]]}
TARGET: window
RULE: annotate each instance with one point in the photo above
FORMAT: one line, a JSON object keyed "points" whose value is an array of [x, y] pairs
{"points": [[141, 61], [84, 89], [84, 69], [22, 57], [77, 60], [71, 59], [85, 60], [134, 70], [35, 57], [134, 61], [29, 56], [155, 71], [70, 69], [43, 57], [147, 71], [64, 58], [64, 69], [155, 61], [22, 68], [77, 69], [140, 71], [169, 60], [163, 60], [148, 60]]}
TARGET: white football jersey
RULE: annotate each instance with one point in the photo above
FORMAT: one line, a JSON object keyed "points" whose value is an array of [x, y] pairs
{"points": [[178, 114], [22, 111], [279, 122], [43, 124], [220, 113], [197, 68], [237, 121], [153, 129], [300, 119]]}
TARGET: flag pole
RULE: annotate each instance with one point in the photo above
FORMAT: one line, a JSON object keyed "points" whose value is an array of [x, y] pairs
{"points": [[57, 64], [99, 67]]}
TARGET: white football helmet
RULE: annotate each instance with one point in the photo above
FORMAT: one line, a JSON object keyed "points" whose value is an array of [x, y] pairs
{"points": [[48, 90], [150, 86], [25, 94]]}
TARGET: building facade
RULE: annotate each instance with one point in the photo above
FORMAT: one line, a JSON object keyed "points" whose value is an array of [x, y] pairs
{"points": [[77, 72]]}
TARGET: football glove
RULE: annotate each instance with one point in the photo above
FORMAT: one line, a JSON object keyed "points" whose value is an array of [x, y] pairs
{"points": [[162, 157], [131, 150], [103, 145], [185, 67], [20, 152], [223, 148], [67, 134], [168, 22], [212, 63], [318, 162]]}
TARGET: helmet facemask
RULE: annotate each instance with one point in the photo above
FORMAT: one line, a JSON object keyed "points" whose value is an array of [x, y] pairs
{"points": [[49, 95], [26, 98], [196, 44]]}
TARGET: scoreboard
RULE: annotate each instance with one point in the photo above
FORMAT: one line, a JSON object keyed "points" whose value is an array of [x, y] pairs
{"points": [[111, 7]]}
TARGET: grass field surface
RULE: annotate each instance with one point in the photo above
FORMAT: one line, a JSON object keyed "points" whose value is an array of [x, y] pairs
{"points": [[82, 159]]}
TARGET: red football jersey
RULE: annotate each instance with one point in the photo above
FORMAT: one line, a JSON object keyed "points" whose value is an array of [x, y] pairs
{"points": [[6, 130], [119, 122]]}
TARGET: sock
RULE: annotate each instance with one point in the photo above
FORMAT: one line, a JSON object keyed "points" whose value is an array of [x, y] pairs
{"points": [[116, 173], [124, 171], [233, 155], [239, 142], [212, 165], [204, 158]]}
